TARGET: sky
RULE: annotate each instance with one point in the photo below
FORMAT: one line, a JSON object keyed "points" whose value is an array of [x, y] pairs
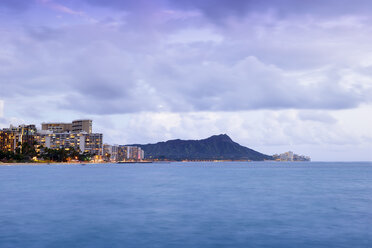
{"points": [[275, 75]]}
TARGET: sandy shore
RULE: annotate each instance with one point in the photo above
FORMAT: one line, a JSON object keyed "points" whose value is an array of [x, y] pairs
{"points": [[52, 163]]}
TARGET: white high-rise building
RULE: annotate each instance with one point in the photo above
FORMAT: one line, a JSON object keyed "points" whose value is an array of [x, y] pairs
{"points": [[77, 135]]}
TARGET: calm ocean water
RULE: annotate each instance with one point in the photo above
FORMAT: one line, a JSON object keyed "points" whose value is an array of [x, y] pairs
{"points": [[262, 204]]}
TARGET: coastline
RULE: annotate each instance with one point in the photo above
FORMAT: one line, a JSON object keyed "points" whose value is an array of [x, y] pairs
{"points": [[49, 163], [130, 162]]}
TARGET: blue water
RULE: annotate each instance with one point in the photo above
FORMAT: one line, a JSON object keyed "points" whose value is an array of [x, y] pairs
{"points": [[187, 205]]}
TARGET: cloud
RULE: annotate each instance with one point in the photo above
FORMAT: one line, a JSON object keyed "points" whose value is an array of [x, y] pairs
{"points": [[100, 69], [1, 108], [129, 4], [318, 116], [268, 131], [220, 10], [194, 35], [14, 5], [269, 74], [61, 8], [248, 84]]}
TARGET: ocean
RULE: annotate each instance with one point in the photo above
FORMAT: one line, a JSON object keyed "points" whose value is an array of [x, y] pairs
{"points": [[226, 204]]}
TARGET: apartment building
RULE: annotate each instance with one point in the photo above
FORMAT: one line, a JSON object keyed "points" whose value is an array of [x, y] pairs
{"points": [[57, 127], [75, 126], [110, 152], [130, 153], [82, 126], [13, 137], [83, 142]]}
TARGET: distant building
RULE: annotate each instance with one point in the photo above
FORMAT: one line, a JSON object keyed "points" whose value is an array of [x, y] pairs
{"points": [[57, 127], [122, 153], [290, 156], [114, 154], [82, 126], [93, 143], [110, 153], [76, 126], [9, 140], [136, 153], [13, 137], [107, 151], [77, 134], [287, 156], [127, 153], [83, 142]]}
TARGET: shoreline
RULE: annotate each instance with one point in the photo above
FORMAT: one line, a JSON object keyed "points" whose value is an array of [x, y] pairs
{"points": [[132, 162], [36, 163], [156, 162]]}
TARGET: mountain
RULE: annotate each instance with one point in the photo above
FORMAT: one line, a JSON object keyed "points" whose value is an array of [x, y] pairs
{"points": [[216, 147]]}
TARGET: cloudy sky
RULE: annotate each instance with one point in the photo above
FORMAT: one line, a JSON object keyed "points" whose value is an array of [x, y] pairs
{"points": [[274, 75]]}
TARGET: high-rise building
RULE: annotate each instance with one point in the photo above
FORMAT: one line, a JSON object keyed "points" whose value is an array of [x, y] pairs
{"points": [[122, 153], [130, 153], [9, 141], [82, 126], [77, 135], [13, 137], [57, 127], [114, 154], [92, 143], [110, 152], [290, 156], [82, 142], [76, 126]]}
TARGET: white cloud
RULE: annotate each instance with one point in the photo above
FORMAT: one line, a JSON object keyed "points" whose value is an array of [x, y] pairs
{"points": [[195, 35], [320, 116], [273, 84], [1, 108], [266, 131], [104, 69], [60, 8]]}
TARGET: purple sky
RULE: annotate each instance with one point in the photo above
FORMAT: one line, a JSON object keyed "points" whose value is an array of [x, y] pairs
{"points": [[274, 75]]}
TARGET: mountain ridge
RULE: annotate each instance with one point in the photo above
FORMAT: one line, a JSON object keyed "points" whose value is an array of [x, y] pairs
{"points": [[216, 147]]}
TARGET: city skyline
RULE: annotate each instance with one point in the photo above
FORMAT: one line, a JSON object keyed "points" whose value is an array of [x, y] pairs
{"points": [[274, 76], [62, 141]]}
